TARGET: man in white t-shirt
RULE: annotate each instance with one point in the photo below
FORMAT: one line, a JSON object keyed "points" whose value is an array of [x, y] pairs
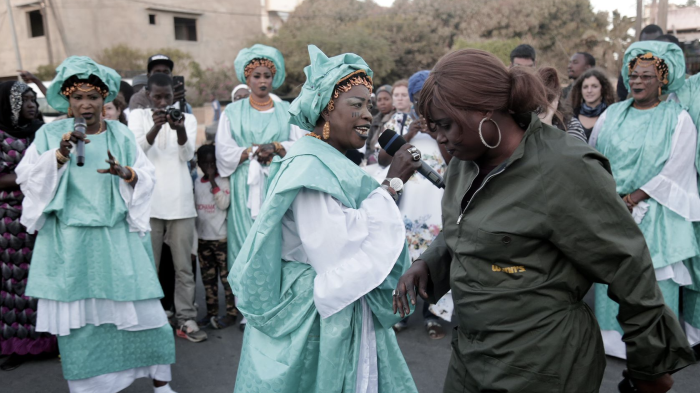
{"points": [[168, 141]]}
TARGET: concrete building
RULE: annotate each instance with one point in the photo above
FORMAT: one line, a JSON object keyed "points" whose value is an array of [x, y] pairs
{"points": [[275, 14], [48, 31], [682, 21]]}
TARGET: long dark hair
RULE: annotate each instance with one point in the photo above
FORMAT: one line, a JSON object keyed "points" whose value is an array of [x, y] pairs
{"points": [[472, 79], [550, 79], [607, 90]]}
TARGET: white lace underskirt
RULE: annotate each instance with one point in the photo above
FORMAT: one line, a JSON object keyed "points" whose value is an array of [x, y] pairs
{"points": [[120, 380], [677, 272], [60, 317]]}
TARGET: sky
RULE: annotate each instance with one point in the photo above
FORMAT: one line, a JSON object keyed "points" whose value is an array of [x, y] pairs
{"points": [[626, 7]]}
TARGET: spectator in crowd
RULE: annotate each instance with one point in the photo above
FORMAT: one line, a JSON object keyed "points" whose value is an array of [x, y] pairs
{"points": [[590, 97], [139, 83], [169, 144], [240, 92], [401, 120], [18, 126], [315, 274], [125, 93], [158, 64], [580, 62], [386, 111], [92, 271], [555, 113], [28, 77], [212, 197], [648, 33], [670, 38], [651, 146], [216, 107], [420, 200], [519, 256], [251, 132], [116, 110], [523, 55]]}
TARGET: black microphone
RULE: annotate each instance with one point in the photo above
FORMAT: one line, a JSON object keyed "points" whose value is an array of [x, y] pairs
{"points": [[80, 127], [391, 142]]}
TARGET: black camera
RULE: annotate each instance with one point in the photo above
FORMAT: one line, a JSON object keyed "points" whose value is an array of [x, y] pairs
{"points": [[174, 113]]}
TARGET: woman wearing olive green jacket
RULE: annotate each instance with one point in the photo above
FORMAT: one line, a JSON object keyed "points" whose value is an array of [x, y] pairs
{"points": [[531, 219]]}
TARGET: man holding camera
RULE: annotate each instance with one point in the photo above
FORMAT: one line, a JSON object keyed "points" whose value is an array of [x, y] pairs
{"points": [[167, 136]]}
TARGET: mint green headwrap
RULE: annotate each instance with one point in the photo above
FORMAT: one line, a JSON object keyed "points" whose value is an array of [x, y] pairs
{"points": [[259, 51], [321, 77], [669, 52], [81, 67]]}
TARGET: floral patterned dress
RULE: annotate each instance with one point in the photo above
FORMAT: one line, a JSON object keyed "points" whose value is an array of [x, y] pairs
{"points": [[17, 312]]}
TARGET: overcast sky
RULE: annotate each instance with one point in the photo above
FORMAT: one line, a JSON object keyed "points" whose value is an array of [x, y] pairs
{"points": [[626, 7]]}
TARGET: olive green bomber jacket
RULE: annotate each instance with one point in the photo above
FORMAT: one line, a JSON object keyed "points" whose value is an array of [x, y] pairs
{"points": [[543, 227]]}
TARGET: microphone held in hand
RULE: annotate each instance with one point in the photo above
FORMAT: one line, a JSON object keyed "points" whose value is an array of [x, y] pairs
{"points": [[80, 127], [391, 142]]}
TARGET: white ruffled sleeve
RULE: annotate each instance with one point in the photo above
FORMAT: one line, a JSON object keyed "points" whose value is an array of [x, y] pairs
{"points": [[138, 198], [228, 153], [38, 177], [294, 134], [676, 186], [351, 250]]}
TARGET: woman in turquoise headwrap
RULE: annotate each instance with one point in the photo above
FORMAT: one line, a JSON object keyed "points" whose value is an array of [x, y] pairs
{"points": [[315, 275], [651, 146], [251, 131], [92, 266]]}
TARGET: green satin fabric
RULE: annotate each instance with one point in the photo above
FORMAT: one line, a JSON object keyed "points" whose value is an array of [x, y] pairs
{"points": [[287, 347], [85, 248], [249, 126], [638, 144]]}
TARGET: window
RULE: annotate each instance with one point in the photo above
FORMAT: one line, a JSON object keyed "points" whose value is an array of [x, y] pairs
{"points": [[151, 19], [185, 29], [36, 24]]}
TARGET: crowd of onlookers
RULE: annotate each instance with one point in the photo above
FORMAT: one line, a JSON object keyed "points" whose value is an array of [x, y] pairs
{"points": [[191, 199]]}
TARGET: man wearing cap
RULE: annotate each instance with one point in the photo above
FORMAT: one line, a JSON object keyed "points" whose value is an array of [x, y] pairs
{"points": [[157, 64]]}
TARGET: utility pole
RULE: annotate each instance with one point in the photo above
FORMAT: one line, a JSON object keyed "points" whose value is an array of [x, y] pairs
{"points": [[45, 20], [640, 17], [14, 34], [663, 15]]}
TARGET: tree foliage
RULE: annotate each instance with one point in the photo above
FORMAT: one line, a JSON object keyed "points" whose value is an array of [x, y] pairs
{"points": [[413, 34]]}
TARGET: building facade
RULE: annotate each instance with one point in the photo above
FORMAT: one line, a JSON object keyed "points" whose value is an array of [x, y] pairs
{"points": [[48, 31]]}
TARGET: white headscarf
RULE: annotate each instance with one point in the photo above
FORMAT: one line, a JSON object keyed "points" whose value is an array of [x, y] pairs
{"points": [[235, 89]]}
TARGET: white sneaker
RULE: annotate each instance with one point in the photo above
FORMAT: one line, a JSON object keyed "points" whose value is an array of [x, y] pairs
{"points": [[163, 389], [190, 331]]}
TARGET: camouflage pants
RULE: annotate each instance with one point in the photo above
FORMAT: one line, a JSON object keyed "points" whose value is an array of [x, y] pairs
{"points": [[212, 262]]}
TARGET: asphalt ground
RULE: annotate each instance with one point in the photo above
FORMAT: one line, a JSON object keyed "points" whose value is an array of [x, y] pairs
{"points": [[210, 366]]}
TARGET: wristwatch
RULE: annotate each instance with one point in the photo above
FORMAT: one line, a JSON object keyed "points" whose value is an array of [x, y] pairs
{"points": [[392, 192], [396, 184]]}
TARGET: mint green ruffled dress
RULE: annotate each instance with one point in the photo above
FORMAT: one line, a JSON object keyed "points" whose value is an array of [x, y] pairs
{"points": [[287, 347]]}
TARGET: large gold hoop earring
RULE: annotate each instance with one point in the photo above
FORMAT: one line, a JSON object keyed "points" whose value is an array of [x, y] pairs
{"points": [[327, 130], [481, 135], [70, 112]]}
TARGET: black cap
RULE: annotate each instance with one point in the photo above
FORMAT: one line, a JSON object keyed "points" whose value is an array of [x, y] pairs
{"points": [[159, 59]]}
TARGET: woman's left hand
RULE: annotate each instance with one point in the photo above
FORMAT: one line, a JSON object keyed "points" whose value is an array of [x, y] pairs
{"points": [[115, 168], [265, 153]]}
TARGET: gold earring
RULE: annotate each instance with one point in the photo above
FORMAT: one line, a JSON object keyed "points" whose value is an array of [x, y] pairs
{"points": [[327, 130], [104, 111], [659, 91], [70, 112]]}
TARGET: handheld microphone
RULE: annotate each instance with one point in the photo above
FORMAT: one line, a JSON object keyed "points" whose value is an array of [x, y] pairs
{"points": [[80, 127], [391, 142]]}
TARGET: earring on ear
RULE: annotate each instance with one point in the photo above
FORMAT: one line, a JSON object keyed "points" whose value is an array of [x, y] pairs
{"points": [[70, 112], [659, 91], [104, 111], [327, 130]]}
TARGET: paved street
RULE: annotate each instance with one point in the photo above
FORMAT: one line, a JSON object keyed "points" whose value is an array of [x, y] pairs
{"points": [[211, 366]]}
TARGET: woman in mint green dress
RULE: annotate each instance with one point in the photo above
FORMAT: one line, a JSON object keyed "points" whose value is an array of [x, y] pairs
{"points": [[315, 275], [92, 266], [251, 131], [651, 146]]}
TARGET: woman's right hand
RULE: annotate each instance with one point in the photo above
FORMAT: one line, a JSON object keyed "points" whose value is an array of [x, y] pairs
{"points": [[403, 165], [66, 145], [416, 276]]}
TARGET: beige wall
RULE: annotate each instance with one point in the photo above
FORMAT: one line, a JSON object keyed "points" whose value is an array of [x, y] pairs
{"points": [[89, 26]]}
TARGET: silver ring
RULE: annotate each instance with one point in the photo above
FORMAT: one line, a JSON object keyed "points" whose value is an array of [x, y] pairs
{"points": [[394, 293], [412, 150], [416, 156]]}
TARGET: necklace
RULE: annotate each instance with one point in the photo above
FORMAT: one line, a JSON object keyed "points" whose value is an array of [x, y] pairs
{"points": [[100, 130], [261, 106], [634, 105], [313, 135]]}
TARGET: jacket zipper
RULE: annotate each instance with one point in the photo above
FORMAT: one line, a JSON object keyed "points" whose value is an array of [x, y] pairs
{"points": [[476, 192]]}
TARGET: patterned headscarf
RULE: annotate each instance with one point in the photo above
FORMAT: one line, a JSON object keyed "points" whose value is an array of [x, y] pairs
{"points": [[668, 59], [416, 82], [82, 68], [260, 53], [10, 110]]}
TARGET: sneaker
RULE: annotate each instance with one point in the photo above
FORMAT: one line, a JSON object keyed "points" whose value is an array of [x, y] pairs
{"points": [[205, 322], [399, 326], [190, 331], [222, 322]]}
